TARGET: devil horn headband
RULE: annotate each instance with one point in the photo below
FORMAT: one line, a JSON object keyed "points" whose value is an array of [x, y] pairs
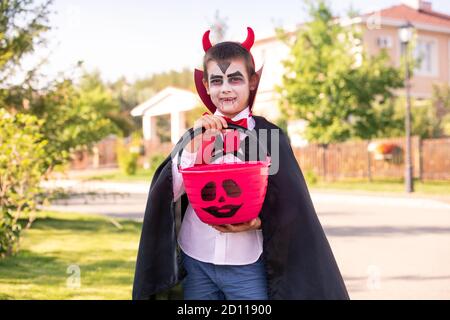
{"points": [[198, 75], [247, 44]]}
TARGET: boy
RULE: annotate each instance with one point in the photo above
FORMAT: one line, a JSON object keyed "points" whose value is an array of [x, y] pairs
{"points": [[282, 254]]}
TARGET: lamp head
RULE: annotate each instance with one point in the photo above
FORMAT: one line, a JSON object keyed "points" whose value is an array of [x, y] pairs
{"points": [[405, 32]]}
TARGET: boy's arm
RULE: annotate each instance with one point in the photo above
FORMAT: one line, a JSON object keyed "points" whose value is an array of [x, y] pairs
{"points": [[187, 160]]}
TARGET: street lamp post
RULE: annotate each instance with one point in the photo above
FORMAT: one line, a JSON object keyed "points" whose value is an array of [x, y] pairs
{"points": [[405, 35]]}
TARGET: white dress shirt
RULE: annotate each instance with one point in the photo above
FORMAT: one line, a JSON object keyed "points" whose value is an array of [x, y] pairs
{"points": [[201, 241]]}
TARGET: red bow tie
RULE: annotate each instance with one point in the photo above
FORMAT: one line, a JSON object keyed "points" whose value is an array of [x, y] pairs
{"points": [[241, 122]]}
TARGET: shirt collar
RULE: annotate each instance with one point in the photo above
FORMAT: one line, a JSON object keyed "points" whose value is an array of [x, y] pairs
{"points": [[241, 115]]}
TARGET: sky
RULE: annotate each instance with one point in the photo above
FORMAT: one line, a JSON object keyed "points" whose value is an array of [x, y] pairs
{"points": [[136, 38]]}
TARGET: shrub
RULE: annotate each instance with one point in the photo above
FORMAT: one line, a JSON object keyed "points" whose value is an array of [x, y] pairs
{"points": [[127, 160], [22, 164], [155, 161], [311, 177], [128, 154]]}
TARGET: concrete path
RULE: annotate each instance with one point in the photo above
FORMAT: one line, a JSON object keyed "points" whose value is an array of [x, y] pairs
{"points": [[389, 247]]}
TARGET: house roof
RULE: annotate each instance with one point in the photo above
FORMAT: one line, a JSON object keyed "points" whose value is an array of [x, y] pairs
{"points": [[166, 101], [422, 16], [399, 13]]}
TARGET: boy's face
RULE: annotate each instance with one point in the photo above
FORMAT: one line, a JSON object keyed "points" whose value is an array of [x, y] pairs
{"points": [[229, 86]]}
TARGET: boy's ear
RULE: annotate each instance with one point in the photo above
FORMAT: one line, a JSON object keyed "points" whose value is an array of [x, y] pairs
{"points": [[205, 83], [253, 81]]}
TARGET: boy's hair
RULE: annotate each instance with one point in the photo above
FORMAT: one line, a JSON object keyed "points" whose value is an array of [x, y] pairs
{"points": [[225, 52]]}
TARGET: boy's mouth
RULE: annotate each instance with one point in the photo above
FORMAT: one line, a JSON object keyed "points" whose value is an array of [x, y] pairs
{"points": [[227, 100]]}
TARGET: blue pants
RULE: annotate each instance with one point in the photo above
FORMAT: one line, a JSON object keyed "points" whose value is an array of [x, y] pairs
{"points": [[207, 281]]}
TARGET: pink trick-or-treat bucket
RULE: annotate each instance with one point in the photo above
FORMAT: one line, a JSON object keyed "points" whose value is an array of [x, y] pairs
{"points": [[226, 193]]}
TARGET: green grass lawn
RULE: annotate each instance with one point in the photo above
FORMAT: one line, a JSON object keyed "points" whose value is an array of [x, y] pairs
{"points": [[104, 251], [142, 175]]}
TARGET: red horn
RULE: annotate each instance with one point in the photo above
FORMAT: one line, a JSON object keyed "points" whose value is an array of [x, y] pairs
{"points": [[206, 42], [248, 43]]}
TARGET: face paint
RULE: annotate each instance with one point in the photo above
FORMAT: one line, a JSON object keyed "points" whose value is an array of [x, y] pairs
{"points": [[235, 74], [224, 66], [202, 77], [229, 90]]}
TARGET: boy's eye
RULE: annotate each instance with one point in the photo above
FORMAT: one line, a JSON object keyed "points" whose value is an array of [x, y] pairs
{"points": [[235, 79], [216, 81]]}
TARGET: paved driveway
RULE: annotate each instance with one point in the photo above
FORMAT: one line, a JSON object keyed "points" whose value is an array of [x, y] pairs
{"points": [[389, 248]]}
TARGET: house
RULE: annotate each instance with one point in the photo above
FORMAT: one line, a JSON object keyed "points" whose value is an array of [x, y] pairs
{"points": [[380, 31], [170, 101]]}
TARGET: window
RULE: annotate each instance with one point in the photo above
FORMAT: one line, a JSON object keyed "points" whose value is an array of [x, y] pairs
{"points": [[426, 52], [384, 42]]}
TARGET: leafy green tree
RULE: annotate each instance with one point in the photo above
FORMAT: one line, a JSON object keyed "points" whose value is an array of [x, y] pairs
{"points": [[76, 116], [103, 99], [22, 28], [441, 101], [445, 124], [127, 98], [430, 117], [424, 120], [333, 84]]}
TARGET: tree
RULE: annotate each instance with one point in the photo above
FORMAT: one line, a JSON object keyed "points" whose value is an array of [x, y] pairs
{"points": [[441, 101], [76, 116], [22, 29], [73, 116], [430, 117], [107, 101], [424, 124], [127, 97], [333, 84], [22, 26]]}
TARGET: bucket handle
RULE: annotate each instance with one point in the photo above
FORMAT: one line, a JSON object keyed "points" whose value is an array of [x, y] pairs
{"points": [[191, 133]]}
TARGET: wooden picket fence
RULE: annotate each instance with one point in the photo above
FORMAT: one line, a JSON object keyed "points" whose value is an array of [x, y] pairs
{"points": [[430, 157]]}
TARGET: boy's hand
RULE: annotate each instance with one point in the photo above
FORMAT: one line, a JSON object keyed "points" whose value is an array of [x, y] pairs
{"points": [[239, 227], [209, 121], [212, 124]]}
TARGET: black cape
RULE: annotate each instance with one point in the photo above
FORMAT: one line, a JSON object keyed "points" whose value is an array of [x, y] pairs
{"points": [[297, 256]]}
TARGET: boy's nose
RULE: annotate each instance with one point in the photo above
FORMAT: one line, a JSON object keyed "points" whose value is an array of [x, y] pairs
{"points": [[226, 87]]}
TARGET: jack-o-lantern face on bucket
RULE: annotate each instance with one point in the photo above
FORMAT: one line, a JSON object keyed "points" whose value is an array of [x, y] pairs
{"points": [[225, 199]]}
